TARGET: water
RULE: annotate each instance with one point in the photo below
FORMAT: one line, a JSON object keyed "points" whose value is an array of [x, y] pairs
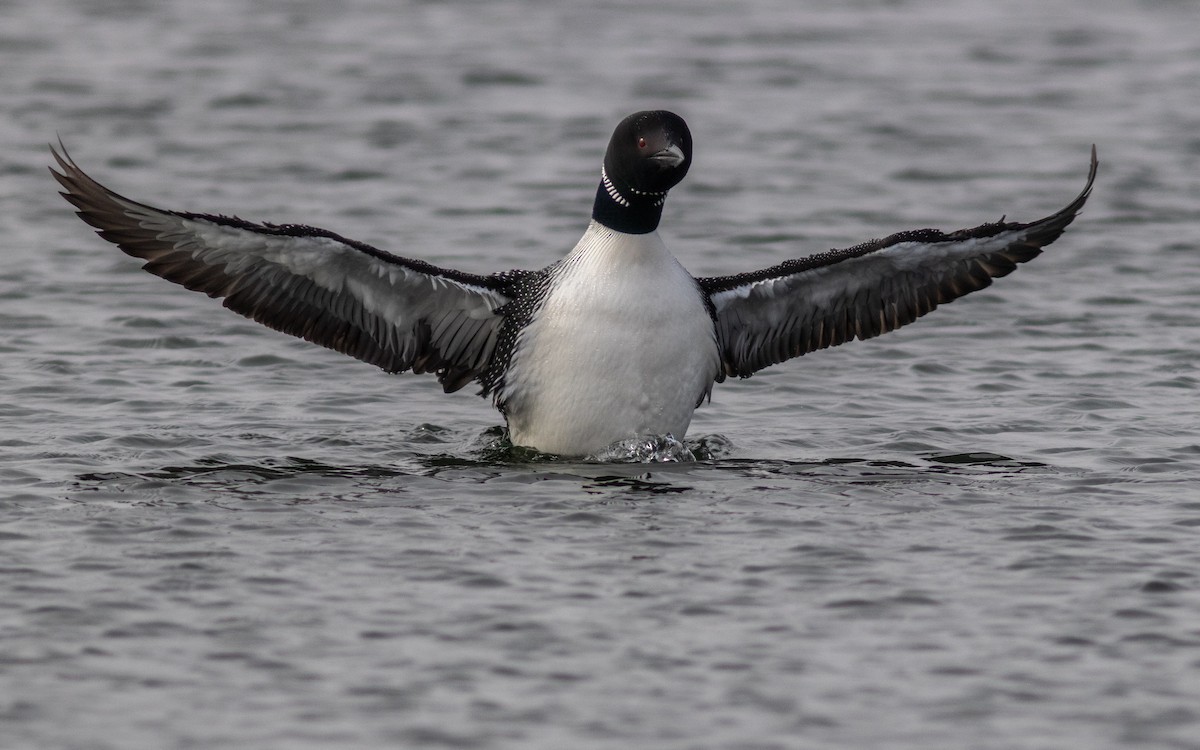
{"points": [[980, 531]]}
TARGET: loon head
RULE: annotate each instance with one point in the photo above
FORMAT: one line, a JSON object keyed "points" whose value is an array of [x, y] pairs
{"points": [[649, 153]]}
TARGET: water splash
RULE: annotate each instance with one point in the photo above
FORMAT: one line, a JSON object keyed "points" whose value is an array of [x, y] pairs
{"points": [[494, 446], [647, 449]]}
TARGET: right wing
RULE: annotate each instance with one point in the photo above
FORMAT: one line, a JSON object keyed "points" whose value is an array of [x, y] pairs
{"points": [[768, 316]]}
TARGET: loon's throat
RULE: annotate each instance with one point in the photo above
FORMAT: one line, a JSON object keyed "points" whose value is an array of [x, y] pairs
{"points": [[627, 210]]}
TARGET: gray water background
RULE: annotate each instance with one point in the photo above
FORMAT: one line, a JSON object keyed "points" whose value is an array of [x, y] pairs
{"points": [[978, 532]]}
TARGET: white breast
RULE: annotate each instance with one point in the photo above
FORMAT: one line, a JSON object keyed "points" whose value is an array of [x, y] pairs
{"points": [[622, 346]]}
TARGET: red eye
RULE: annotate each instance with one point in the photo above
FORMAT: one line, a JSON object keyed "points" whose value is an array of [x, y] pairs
{"points": [[641, 142]]}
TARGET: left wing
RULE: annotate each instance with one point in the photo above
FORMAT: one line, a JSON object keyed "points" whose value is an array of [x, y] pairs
{"points": [[393, 312], [767, 316]]}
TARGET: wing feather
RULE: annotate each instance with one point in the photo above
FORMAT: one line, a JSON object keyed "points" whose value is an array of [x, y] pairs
{"points": [[396, 313], [767, 316]]}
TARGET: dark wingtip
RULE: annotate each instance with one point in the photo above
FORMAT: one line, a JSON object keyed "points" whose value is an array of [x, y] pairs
{"points": [[1093, 167], [69, 177], [1087, 190], [61, 156], [1050, 228], [1073, 208]]}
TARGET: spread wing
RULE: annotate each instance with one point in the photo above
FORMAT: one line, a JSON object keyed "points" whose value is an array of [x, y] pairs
{"points": [[392, 312], [767, 316]]}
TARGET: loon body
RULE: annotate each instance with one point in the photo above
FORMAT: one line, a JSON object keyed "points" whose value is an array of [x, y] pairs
{"points": [[622, 346]]}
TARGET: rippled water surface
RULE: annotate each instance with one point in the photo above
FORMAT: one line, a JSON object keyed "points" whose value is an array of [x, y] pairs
{"points": [[982, 531]]}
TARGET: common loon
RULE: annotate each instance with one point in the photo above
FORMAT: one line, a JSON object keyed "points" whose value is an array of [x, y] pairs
{"points": [[616, 340]]}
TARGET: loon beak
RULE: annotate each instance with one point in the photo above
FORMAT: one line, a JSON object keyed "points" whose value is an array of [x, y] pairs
{"points": [[671, 156]]}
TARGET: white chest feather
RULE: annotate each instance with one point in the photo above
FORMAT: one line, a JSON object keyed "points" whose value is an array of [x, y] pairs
{"points": [[622, 346]]}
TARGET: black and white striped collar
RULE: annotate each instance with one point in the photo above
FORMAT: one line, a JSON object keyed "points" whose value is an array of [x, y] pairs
{"points": [[631, 211]]}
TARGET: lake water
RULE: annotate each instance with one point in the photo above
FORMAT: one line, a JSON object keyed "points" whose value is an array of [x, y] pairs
{"points": [[982, 531]]}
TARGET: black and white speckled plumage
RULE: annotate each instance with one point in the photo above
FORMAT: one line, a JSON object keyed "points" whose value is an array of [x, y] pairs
{"points": [[526, 290], [533, 340]]}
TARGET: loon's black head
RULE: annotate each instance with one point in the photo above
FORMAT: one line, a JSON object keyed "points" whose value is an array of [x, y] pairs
{"points": [[649, 154]]}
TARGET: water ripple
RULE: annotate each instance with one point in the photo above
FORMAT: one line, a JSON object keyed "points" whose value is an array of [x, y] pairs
{"points": [[977, 531]]}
